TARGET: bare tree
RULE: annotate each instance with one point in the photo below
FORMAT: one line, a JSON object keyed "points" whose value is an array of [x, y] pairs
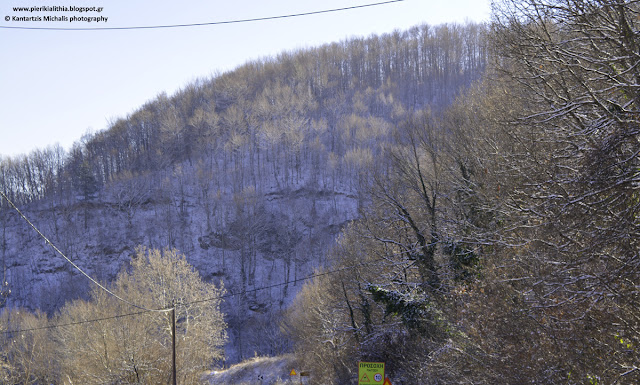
{"points": [[137, 348], [27, 356]]}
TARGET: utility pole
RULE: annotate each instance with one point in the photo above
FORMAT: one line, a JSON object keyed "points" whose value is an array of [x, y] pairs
{"points": [[173, 344]]}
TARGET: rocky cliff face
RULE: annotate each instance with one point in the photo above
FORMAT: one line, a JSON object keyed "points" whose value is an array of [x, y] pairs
{"points": [[248, 240]]}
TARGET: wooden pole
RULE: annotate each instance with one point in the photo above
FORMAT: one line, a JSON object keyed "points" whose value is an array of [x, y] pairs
{"points": [[173, 344]]}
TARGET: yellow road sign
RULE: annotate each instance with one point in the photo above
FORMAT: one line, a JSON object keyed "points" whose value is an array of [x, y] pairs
{"points": [[370, 373]]}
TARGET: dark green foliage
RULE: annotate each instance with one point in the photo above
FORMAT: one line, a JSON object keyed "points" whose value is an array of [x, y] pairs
{"points": [[414, 309], [462, 259], [86, 182]]}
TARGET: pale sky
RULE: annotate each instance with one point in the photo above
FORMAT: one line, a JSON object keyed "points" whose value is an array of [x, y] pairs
{"points": [[57, 85]]}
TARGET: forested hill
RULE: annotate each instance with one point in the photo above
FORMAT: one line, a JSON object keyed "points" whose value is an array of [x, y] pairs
{"points": [[299, 111], [252, 173], [482, 237]]}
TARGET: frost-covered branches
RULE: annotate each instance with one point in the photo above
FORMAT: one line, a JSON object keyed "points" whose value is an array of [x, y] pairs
{"points": [[573, 167]]}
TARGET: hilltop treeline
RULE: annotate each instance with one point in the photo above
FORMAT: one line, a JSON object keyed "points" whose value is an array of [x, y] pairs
{"points": [[300, 115]]}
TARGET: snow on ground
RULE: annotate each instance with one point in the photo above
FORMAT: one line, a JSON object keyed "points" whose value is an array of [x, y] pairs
{"points": [[258, 371]]}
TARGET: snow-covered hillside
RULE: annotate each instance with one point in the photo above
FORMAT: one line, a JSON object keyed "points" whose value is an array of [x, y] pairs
{"points": [[253, 241], [251, 174]]}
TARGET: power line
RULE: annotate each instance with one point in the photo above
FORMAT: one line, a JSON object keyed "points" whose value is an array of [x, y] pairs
{"points": [[76, 322], [73, 264], [146, 310], [308, 277], [210, 23]]}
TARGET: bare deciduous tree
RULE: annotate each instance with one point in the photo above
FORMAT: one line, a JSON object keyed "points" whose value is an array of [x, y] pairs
{"points": [[27, 356], [137, 348]]}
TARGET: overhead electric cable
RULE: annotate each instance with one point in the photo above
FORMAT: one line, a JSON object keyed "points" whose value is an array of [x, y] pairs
{"points": [[73, 264], [308, 277], [209, 23], [75, 323]]}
